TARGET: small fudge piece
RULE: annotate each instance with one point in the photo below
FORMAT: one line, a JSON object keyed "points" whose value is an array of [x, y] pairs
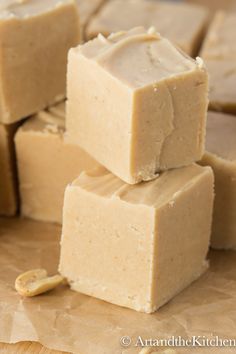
{"points": [[8, 195], [183, 24], [220, 41], [136, 246], [46, 164], [136, 103], [221, 156], [35, 37], [222, 84], [219, 53]]}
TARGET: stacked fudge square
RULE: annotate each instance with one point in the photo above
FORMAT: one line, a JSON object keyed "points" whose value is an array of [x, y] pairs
{"points": [[35, 37], [43, 177], [136, 231]]}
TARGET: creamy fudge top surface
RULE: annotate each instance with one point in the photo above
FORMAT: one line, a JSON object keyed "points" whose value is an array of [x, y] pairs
{"points": [[220, 138], [158, 59], [50, 121], [221, 38], [175, 20], [165, 188], [28, 8]]}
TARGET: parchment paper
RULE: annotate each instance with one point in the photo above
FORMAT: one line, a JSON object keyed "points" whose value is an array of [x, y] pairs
{"points": [[65, 320]]}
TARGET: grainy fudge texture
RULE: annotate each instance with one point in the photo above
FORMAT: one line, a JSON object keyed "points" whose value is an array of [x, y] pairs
{"points": [[35, 37], [181, 23], [219, 53], [136, 246], [136, 104], [221, 156], [46, 164], [8, 196]]}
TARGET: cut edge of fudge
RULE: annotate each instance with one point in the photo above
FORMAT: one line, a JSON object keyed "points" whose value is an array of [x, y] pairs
{"points": [[114, 199]]}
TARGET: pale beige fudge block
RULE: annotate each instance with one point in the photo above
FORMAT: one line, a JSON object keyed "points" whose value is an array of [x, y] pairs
{"points": [[136, 246], [136, 104], [46, 164], [181, 23], [220, 42], [87, 8], [222, 84], [35, 37], [219, 53], [221, 156], [8, 194]]}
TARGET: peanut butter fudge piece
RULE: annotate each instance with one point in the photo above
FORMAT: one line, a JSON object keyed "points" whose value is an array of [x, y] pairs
{"points": [[8, 195], [219, 53], [220, 42], [221, 156], [222, 84], [46, 164], [136, 103], [35, 36], [136, 246], [181, 23]]}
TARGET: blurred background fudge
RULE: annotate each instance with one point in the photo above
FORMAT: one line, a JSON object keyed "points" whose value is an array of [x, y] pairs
{"points": [[181, 23], [215, 5], [35, 37], [86, 9], [219, 54], [46, 164], [221, 156]]}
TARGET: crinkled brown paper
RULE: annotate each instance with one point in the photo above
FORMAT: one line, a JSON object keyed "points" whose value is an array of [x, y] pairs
{"points": [[65, 320]]}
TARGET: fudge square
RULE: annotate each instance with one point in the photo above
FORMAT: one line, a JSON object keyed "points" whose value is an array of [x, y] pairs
{"points": [[35, 37], [221, 156], [220, 39], [8, 194], [181, 23], [46, 164], [219, 53], [136, 246], [136, 103], [222, 84]]}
